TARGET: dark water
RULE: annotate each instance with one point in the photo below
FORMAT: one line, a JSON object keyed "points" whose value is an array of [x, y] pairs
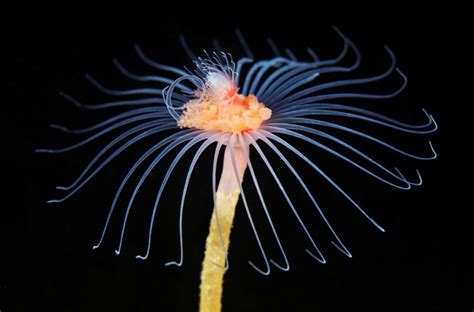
{"points": [[420, 263]]}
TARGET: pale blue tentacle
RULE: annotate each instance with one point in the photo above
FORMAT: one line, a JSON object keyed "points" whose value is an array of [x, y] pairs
{"points": [[339, 83], [201, 135], [244, 200], [156, 65], [155, 128], [341, 247], [175, 140], [293, 209], [201, 149], [99, 134], [317, 112], [243, 145], [160, 112], [316, 98], [112, 104], [324, 175], [292, 121], [244, 44], [285, 129], [315, 107], [130, 75], [186, 47]]}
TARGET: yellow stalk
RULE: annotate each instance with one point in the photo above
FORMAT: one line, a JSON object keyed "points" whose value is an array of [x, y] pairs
{"points": [[213, 266]]}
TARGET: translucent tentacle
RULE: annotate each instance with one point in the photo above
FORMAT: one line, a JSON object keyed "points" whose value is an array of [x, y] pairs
{"points": [[286, 130], [201, 149], [263, 91], [293, 209], [291, 55], [313, 55], [308, 108], [243, 144], [155, 128], [317, 112], [242, 194], [273, 46], [128, 74], [324, 175], [217, 45], [169, 93], [186, 47], [201, 136], [176, 139], [112, 104], [240, 63], [244, 44], [159, 113], [291, 121], [332, 96], [99, 134], [348, 82], [263, 66], [141, 91], [339, 245], [156, 65], [293, 84]]}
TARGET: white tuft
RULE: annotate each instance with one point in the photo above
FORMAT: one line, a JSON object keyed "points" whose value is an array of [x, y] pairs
{"points": [[219, 84]]}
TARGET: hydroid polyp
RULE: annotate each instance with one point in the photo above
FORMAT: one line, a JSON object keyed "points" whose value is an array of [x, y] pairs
{"points": [[236, 107]]}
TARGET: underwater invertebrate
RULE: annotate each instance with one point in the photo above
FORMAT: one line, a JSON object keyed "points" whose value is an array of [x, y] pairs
{"points": [[239, 106]]}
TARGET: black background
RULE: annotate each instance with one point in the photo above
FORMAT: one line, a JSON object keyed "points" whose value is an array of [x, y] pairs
{"points": [[421, 263]]}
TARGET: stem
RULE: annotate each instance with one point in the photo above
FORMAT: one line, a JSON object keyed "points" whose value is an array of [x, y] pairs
{"points": [[217, 243]]}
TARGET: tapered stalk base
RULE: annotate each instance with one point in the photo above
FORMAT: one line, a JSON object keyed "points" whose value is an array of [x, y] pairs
{"points": [[217, 243]]}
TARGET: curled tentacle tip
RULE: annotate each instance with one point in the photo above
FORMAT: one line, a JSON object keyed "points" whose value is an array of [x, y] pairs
{"points": [[266, 273], [401, 176], [435, 155], [286, 269], [342, 249], [52, 201], [95, 247], [117, 251], [322, 261], [420, 179], [140, 257], [173, 263]]}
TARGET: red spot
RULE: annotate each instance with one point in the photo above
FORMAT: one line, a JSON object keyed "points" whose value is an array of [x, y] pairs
{"points": [[231, 93], [240, 100]]}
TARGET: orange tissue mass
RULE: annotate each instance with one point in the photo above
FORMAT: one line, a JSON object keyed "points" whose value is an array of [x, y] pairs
{"points": [[232, 113]]}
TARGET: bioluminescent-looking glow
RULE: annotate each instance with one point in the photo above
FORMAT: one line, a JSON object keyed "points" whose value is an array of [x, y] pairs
{"points": [[237, 107]]}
